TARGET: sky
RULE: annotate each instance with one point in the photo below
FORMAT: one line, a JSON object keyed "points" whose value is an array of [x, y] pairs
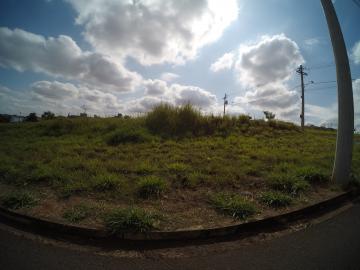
{"points": [[107, 57]]}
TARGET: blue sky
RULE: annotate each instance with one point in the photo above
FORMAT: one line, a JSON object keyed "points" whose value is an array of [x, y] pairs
{"points": [[117, 56]]}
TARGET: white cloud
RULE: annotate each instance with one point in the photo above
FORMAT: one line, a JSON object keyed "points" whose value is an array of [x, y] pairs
{"points": [[224, 62], [311, 42], [356, 53], [157, 91], [54, 90], [169, 77], [271, 60], [154, 31], [62, 57]]}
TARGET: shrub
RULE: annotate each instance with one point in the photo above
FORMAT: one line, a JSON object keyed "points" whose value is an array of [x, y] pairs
{"points": [[48, 115], [288, 183], [150, 186], [129, 135], [32, 117], [275, 199], [77, 213], [233, 205], [18, 200], [129, 219], [313, 175]]}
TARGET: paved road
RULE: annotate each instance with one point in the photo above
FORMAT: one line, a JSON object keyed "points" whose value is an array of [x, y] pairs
{"points": [[333, 244]]}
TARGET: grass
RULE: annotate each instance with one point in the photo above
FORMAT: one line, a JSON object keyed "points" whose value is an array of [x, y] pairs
{"points": [[234, 205], [151, 186], [17, 200], [77, 213], [130, 219], [275, 199], [112, 159]]}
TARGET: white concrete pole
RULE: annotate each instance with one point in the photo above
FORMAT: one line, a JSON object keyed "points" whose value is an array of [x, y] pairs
{"points": [[345, 132]]}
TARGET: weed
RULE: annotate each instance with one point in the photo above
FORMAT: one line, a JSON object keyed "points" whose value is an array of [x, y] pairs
{"points": [[233, 205], [105, 182], [18, 200], [177, 168], [313, 175], [130, 219], [288, 183], [77, 213], [275, 199], [150, 186]]}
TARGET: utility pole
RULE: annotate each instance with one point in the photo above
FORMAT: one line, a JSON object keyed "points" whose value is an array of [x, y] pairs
{"points": [[345, 132], [225, 102], [300, 70]]}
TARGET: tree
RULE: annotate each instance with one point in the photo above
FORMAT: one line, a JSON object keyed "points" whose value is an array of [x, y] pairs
{"points": [[269, 115], [48, 115], [32, 117]]}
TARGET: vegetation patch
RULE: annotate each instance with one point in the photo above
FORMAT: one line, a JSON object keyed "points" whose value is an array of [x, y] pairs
{"points": [[288, 183], [17, 200], [275, 199], [151, 186], [313, 175], [77, 213], [129, 135], [130, 219], [234, 205]]}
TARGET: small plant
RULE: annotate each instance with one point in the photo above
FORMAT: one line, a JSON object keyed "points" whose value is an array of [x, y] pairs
{"points": [[288, 183], [77, 213], [106, 182], [129, 135], [130, 219], [233, 205], [150, 186], [275, 199], [313, 175], [177, 167], [18, 200], [269, 115]]}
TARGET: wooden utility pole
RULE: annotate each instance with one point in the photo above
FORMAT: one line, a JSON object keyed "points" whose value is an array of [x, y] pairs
{"points": [[225, 102], [345, 132], [300, 70]]}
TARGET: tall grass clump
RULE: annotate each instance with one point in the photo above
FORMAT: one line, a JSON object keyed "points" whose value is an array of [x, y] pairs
{"points": [[17, 200], [275, 199], [233, 205], [129, 135], [129, 219], [169, 121], [150, 186], [287, 183]]}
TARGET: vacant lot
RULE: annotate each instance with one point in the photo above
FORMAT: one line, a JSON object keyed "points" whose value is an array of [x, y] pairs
{"points": [[172, 169]]}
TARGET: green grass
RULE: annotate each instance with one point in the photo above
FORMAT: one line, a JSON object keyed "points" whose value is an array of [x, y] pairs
{"points": [[275, 199], [234, 205], [288, 183], [77, 213], [130, 219], [151, 186], [17, 200]]}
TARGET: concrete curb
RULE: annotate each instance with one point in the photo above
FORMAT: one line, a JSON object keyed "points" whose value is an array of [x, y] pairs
{"points": [[63, 231]]}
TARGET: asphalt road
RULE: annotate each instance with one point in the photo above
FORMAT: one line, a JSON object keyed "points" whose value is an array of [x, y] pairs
{"points": [[332, 244]]}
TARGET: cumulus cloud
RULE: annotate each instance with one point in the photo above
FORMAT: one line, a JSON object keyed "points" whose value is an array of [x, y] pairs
{"points": [[264, 68], [271, 60], [153, 31], [157, 91], [169, 77], [356, 53], [54, 90], [224, 62], [62, 57]]}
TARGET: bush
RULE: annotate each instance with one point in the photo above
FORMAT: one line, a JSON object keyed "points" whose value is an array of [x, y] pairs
{"points": [[233, 205], [129, 135], [288, 183], [130, 219], [32, 117], [275, 199], [18, 200], [150, 186], [48, 115], [77, 213]]}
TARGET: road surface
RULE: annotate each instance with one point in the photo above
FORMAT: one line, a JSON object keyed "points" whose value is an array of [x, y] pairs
{"points": [[332, 244]]}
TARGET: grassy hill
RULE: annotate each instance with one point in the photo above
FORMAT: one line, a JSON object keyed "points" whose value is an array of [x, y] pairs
{"points": [[173, 168]]}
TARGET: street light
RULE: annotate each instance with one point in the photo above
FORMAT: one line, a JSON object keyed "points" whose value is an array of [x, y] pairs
{"points": [[344, 141]]}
